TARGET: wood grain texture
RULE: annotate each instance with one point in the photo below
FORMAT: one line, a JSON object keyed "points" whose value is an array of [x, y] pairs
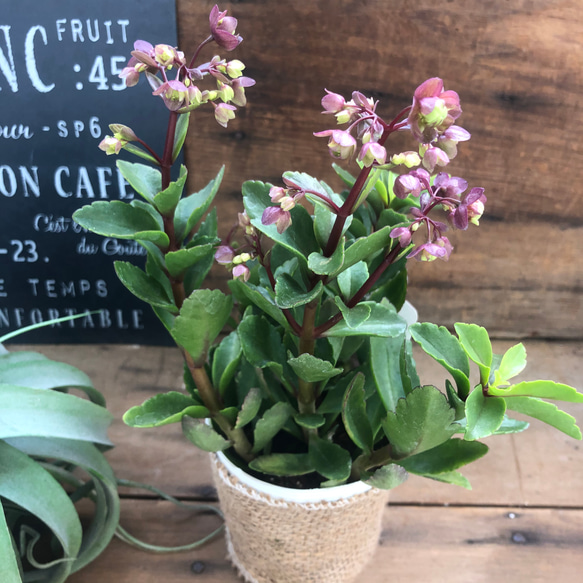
{"points": [[433, 545], [518, 67], [541, 467]]}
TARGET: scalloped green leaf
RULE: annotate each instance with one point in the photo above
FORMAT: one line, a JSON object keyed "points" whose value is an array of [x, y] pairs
{"points": [[387, 477], [179, 261], [144, 179], [329, 459], [249, 408], [180, 134], [365, 247], [198, 432], [260, 297], [226, 360], [484, 415], [383, 321], [540, 389], [354, 415], [330, 266], [385, 359], [289, 294], [353, 317], [312, 369], [261, 343], [310, 420], [512, 364], [166, 200], [270, 425], [476, 343], [164, 409], [352, 279], [283, 464]]}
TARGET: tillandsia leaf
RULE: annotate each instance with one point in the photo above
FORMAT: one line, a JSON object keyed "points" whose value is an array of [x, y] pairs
{"points": [[353, 317], [310, 420], [354, 415], [387, 477], [476, 343], [202, 317], [25, 482], [445, 348], [261, 343], [164, 409], [329, 459], [260, 297], [37, 412], [299, 238], [540, 389], [513, 363], [421, 421], [270, 425], [202, 435], [383, 321], [144, 179], [365, 247], [385, 365], [42, 373], [484, 415], [283, 464], [180, 134], [546, 412], [143, 286], [249, 408], [116, 219], [191, 208], [289, 293], [448, 456], [226, 361], [179, 261], [312, 369], [9, 568], [330, 266], [166, 200], [352, 279]]}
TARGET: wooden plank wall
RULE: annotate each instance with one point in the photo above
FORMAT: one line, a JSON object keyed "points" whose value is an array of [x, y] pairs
{"points": [[518, 66]]}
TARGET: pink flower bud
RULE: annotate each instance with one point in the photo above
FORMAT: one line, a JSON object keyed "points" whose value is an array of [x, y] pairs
{"points": [[224, 254], [241, 272], [223, 29], [224, 112], [279, 217], [341, 145], [372, 152], [333, 102], [407, 184]]}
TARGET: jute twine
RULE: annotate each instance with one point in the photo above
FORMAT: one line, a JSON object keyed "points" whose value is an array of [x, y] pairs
{"points": [[271, 540]]}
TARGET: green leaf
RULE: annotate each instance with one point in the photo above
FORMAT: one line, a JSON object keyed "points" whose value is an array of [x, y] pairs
{"points": [[261, 343], [202, 317], [225, 361], [260, 297], [9, 571], [270, 425], [167, 200], [383, 321], [365, 247], [445, 349], [144, 286], [354, 415], [310, 420], [298, 238], [455, 401], [484, 414], [202, 435], [385, 356], [144, 179], [283, 464], [180, 134], [387, 477], [511, 426], [37, 412], [329, 459], [546, 412], [140, 152], [448, 456], [408, 368], [117, 219], [540, 389], [289, 294], [454, 478], [179, 261], [164, 409], [331, 266], [352, 279], [249, 408], [513, 363], [476, 343], [421, 421], [312, 369], [191, 208], [353, 317], [346, 177]]}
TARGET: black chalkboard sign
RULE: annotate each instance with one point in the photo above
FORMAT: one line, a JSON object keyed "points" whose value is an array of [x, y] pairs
{"points": [[59, 91]]}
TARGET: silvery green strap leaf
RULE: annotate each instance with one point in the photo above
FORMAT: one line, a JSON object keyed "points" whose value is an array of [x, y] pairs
{"points": [[37, 412], [9, 571], [24, 482], [387, 477], [540, 389], [164, 409], [312, 369], [354, 415], [270, 425], [476, 343], [144, 179], [546, 412], [445, 348], [484, 415], [32, 327], [197, 431], [421, 421], [329, 459]]}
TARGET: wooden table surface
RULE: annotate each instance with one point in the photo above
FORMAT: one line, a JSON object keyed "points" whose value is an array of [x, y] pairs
{"points": [[522, 522]]}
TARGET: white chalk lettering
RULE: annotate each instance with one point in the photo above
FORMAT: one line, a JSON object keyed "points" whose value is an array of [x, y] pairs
{"points": [[31, 61]]}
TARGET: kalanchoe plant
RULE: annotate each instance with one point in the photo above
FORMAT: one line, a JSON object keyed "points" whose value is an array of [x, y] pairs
{"points": [[306, 368]]}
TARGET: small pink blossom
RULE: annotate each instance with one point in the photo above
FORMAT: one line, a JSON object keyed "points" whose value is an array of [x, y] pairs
{"points": [[224, 255], [224, 112], [372, 152], [341, 144], [241, 272], [223, 29], [333, 102], [279, 217], [174, 93]]}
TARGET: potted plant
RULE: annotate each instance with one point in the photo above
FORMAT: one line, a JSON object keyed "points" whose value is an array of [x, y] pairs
{"points": [[301, 381], [51, 458]]}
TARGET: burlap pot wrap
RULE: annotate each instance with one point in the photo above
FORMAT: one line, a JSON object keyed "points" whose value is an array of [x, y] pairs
{"points": [[274, 540]]}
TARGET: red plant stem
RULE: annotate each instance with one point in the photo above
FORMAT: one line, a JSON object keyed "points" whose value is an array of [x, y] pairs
{"points": [[168, 147]]}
